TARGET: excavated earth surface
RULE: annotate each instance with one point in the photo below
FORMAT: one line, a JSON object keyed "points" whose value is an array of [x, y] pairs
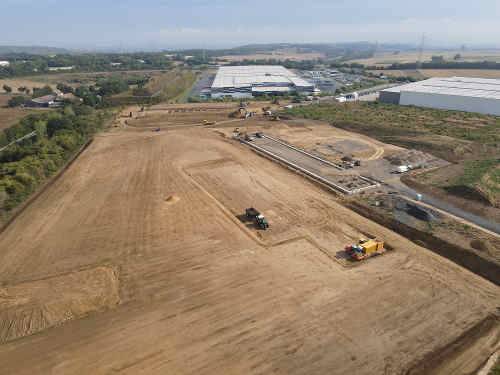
{"points": [[136, 261]]}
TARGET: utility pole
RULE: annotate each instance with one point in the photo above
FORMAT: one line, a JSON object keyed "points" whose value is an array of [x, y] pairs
{"points": [[421, 52]]}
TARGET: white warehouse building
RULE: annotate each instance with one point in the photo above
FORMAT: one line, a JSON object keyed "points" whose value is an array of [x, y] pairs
{"points": [[255, 80], [456, 93]]}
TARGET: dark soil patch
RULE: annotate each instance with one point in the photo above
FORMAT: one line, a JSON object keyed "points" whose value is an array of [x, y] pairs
{"points": [[468, 193]]}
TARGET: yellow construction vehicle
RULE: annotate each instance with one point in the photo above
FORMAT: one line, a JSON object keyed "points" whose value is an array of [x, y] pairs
{"points": [[365, 249], [206, 122]]}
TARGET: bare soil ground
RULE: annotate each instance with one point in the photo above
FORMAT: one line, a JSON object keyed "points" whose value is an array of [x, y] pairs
{"points": [[175, 115], [10, 116], [322, 138], [378, 161], [201, 292], [33, 306], [27, 82]]}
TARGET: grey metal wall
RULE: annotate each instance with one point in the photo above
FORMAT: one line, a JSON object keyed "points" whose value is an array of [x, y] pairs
{"points": [[451, 102], [389, 97]]}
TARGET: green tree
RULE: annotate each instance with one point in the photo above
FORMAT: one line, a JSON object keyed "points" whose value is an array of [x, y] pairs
{"points": [[16, 101], [7, 89], [112, 86], [58, 123], [66, 89], [45, 90]]}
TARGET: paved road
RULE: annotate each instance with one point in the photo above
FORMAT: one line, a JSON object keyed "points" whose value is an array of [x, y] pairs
{"points": [[203, 82], [444, 206]]}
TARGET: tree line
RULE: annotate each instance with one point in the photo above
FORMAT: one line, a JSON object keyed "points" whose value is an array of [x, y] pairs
{"points": [[25, 165], [91, 95], [22, 64], [443, 64]]}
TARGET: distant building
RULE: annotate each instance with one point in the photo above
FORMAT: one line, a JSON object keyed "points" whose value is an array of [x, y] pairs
{"points": [[256, 80], [456, 93], [60, 68], [47, 101], [4, 64]]}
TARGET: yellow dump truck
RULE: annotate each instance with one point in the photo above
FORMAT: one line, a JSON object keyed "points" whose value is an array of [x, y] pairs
{"points": [[365, 249]]}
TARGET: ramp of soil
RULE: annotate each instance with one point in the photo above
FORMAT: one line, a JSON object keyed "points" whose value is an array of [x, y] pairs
{"points": [[34, 306]]}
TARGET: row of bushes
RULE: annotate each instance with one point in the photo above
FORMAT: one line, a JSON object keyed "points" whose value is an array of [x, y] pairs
{"points": [[443, 65], [25, 165]]}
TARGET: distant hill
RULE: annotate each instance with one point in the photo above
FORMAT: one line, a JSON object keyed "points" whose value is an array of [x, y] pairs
{"points": [[330, 50], [32, 50]]}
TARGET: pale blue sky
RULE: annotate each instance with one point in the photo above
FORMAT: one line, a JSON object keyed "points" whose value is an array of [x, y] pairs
{"points": [[220, 23]]}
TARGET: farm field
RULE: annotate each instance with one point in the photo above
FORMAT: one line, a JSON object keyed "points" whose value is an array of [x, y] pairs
{"points": [[172, 86], [154, 272], [385, 59], [10, 116], [160, 79]]}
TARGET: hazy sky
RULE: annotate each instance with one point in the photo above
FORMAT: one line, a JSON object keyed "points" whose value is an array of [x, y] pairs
{"points": [[219, 23]]}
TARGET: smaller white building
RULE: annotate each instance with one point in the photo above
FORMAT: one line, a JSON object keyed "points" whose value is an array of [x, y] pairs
{"points": [[4, 64], [60, 68]]}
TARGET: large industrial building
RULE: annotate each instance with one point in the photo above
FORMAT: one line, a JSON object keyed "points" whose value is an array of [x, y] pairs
{"points": [[255, 80], [456, 93]]}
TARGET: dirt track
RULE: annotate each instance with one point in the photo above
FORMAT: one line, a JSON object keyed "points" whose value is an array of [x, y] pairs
{"points": [[202, 293]]}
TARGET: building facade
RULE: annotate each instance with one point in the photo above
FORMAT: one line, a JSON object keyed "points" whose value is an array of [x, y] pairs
{"points": [[478, 95]]}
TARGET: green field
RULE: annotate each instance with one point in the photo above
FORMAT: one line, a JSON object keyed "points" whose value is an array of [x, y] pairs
{"points": [[170, 86]]}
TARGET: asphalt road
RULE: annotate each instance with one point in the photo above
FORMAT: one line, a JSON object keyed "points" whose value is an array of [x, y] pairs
{"points": [[203, 82], [444, 206]]}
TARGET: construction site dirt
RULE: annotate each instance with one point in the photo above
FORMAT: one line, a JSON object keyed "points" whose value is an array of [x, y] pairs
{"points": [[168, 280], [318, 168]]}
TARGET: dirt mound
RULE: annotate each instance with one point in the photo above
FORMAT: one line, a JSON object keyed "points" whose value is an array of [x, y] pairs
{"points": [[172, 199], [34, 306], [411, 157]]}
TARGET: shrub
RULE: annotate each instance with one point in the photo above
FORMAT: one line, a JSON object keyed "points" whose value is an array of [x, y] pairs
{"points": [[16, 101]]}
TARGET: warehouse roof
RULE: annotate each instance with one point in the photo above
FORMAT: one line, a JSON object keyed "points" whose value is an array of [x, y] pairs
{"points": [[44, 99], [257, 75], [458, 86]]}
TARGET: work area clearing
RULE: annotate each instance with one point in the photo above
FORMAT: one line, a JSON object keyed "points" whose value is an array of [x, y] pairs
{"points": [[201, 292]]}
